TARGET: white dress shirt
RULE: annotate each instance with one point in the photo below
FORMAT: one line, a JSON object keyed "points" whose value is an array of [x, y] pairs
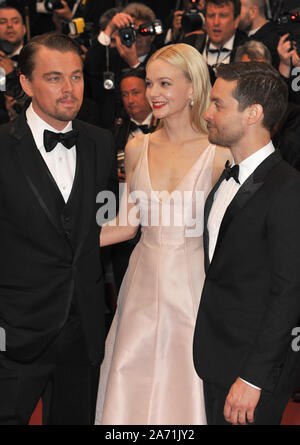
{"points": [[227, 191], [221, 57], [61, 162]]}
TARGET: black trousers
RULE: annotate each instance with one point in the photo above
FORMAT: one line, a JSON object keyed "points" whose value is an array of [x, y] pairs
{"points": [[62, 376], [269, 410]]}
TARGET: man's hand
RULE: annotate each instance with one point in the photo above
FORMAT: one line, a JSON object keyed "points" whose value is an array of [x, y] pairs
{"points": [[61, 15], [6, 63], [285, 52], [295, 59], [120, 20], [240, 403], [176, 26]]}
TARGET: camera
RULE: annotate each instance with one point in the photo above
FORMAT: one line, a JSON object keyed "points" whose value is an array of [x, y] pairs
{"points": [[128, 34], [84, 30], [51, 5], [109, 80], [192, 20], [289, 22], [14, 88]]}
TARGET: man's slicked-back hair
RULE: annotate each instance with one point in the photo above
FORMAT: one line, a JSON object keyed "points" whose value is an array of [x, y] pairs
{"points": [[257, 83], [236, 5], [57, 42], [6, 7]]}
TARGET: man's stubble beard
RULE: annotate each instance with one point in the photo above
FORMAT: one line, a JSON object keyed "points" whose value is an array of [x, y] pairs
{"points": [[226, 140]]}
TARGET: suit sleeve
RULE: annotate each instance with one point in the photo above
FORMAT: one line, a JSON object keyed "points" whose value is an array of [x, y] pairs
{"points": [[274, 339]]}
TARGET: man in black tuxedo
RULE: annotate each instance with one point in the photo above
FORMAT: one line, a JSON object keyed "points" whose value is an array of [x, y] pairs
{"points": [[51, 282], [223, 36], [243, 345]]}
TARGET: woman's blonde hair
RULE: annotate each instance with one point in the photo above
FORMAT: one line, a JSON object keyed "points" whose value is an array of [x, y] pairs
{"points": [[193, 66]]}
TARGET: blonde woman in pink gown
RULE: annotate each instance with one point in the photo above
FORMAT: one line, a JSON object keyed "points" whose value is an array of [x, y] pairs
{"points": [[148, 377]]}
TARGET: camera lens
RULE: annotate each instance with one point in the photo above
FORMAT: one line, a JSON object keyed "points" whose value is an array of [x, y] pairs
{"points": [[51, 5], [2, 80], [108, 84], [127, 36]]}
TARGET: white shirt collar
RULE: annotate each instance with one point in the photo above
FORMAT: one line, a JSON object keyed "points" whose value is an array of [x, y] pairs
{"points": [[248, 165], [38, 125], [17, 51], [228, 45]]}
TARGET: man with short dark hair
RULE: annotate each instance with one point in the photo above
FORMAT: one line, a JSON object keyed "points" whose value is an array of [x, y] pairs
{"points": [[51, 281], [138, 113], [243, 344], [12, 28], [223, 36]]}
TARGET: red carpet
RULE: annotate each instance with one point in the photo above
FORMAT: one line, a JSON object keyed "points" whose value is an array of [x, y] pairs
{"points": [[291, 415]]}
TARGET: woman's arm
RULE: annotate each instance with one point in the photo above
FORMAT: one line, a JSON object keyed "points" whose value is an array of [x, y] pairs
{"points": [[124, 228]]}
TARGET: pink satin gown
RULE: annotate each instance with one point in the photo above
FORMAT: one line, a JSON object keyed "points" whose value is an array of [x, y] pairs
{"points": [[148, 376]]}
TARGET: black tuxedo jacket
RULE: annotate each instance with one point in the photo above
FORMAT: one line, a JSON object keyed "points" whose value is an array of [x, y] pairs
{"points": [[251, 296], [50, 249], [269, 36]]}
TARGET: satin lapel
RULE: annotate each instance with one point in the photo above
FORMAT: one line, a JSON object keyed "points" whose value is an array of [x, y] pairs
{"points": [[246, 191], [37, 173], [85, 179], [207, 209]]}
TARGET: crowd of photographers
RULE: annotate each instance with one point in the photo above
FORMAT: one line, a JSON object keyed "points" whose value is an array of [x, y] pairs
{"points": [[124, 37]]}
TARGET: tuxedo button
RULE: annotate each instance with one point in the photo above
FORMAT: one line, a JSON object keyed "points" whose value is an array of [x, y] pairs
{"points": [[65, 219]]}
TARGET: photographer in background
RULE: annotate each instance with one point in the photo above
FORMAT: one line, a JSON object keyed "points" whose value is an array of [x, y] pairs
{"points": [[176, 31], [108, 56], [253, 21], [289, 66], [90, 10], [12, 33]]}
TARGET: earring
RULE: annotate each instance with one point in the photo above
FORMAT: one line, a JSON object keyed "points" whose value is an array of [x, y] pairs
{"points": [[191, 103]]}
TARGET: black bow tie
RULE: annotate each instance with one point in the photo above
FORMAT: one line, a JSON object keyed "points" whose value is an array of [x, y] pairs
{"points": [[144, 128], [51, 139], [232, 172], [217, 51]]}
